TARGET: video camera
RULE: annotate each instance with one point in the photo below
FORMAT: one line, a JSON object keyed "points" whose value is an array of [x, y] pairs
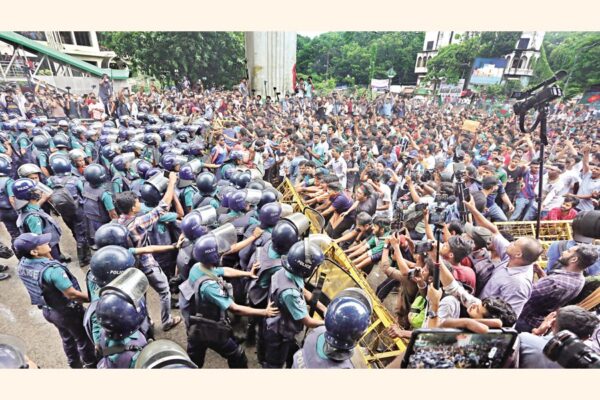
{"points": [[566, 349], [423, 246]]}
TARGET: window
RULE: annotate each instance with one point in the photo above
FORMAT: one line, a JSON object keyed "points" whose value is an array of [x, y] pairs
{"points": [[430, 45], [66, 37], [419, 62], [515, 63], [34, 35], [94, 63], [523, 44], [83, 38], [523, 63]]}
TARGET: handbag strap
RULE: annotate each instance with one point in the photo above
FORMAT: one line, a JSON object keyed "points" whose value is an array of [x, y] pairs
{"points": [[208, 275]]}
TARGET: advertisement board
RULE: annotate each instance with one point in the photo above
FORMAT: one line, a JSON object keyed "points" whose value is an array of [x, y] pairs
{"points": [[487, 71]]}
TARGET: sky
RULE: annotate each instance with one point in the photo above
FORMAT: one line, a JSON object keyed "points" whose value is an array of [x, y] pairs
{"points": [[310, 34]]}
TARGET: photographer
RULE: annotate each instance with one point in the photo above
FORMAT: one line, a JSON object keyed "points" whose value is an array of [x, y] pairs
{"points": [[572, 318], [105, 93]]}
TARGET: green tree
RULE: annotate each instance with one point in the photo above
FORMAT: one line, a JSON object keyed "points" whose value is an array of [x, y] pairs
{"points": [[453, 62], [168, 56]]}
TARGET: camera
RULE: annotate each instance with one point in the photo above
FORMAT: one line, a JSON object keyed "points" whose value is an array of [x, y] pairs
{"points": [[423, 246], [427, 175], [414, 272], [437, 213], [566, 349], [420, 206], [445, 198]]}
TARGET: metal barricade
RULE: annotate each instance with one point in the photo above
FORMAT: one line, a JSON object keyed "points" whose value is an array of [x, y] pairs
{"points": [[340, 273]]}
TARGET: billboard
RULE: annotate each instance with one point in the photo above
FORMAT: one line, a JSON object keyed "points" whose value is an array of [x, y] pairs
{"points": [[450, 91], [591, 98], [488, 71]]}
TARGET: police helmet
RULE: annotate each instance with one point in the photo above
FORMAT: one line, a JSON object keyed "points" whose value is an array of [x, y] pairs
{"points": [[111, 234], [118, 316], [28, 169], [12, 353], [269, 215], [5, 165], [268, 195], [109, 262], [206, 183], [41, 142], [192, 226], [60, 164], [61, 141], [302, 258], [346, 320], [95, 174], [150, 195]]}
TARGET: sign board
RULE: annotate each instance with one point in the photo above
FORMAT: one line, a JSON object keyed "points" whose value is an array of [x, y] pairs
{"points": [[396, 89], [451, 91], [470, 126], [488, 71]]}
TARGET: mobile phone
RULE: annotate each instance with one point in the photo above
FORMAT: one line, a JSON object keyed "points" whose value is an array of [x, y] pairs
{"points": [[166, 174], [455, 348]]}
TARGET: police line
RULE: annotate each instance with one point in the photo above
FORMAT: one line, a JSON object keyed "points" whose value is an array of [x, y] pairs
{"points": [[338, 273]]}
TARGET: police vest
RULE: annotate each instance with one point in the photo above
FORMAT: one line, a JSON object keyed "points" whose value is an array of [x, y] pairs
{"points": [[196, 197], [124, 352], [41, 293], [283, 323], [256, 294], [191, 303], [246, 253], [136, 185], [159, 234], [27, 157], [4, 202], [308, 356], [126, 181], [50, 225], [93, 207], [184, 259]]}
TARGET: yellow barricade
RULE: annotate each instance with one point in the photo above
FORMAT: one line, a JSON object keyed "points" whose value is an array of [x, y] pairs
{"points": [[340, 274]]}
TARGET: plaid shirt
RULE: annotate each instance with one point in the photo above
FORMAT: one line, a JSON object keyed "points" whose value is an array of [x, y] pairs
{"points": [[548, 294], [138, 228]]}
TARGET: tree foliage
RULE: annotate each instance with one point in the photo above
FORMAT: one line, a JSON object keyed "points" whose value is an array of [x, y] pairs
{"points": [[168, 56], [578, 54], [346, 56]]}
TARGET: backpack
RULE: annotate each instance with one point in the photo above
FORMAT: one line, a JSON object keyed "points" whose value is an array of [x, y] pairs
{"points": [[63, 202]]}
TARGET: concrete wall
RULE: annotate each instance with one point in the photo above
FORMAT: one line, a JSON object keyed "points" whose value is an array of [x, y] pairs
{"points": [[270, 57], [80, 85]]}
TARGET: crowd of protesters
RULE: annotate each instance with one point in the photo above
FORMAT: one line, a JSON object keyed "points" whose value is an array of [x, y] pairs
{"points": [[390, 176]]}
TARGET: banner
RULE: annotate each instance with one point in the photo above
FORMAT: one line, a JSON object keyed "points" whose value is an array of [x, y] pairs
{"points": [[379, 84], [591, 98], [488, 71], [396, 89]]}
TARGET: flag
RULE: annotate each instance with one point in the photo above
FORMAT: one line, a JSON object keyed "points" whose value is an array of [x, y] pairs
{"points": [[294, 78]]}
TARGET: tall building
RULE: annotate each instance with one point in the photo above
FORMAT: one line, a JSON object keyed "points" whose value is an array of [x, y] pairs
{"points": [[434, 41], [520, 64], [521, 61]]}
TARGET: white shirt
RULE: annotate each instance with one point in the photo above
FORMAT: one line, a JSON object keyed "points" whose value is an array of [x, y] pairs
{"points": [[386, 196]]}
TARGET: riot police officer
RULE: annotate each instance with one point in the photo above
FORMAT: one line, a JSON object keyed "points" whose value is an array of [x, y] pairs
{"points": [[206, 182], [67, 199], [334, 345], [122, 174], [56, 291], [205, 299], [121, 311], [8, 215], [288, 294], [98, 205], [29, 196]]}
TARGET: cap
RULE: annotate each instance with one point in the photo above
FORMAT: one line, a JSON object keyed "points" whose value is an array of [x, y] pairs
{"points": [[489, 182], [481, 236], [413, 154], [29, 241]]}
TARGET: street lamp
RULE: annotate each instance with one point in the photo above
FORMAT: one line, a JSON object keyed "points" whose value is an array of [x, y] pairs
{"points": [[390, 74]]}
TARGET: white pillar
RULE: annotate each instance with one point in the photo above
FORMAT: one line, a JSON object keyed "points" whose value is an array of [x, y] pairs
{"points": [[271, 57]]}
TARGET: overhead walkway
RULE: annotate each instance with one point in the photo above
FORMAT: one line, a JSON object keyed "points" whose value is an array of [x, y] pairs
{"points": [[35, 62]]}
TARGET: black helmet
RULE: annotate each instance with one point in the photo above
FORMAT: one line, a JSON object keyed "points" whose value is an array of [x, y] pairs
{"points": [[95, 174], [206, 183], [302, 258]]}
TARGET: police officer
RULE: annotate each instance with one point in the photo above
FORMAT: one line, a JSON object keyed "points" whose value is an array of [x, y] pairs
{"points": [[55, 290], [288, 294], [71, 209], [188, 193], [164, 231], [8, 215], [334, 345], [141, 167], [193, 226], [98, 205], [207, 185], [151, 153], [205, 299], [29, 196], [39, 152], [123, 176], [241, 204], [121, 311]]}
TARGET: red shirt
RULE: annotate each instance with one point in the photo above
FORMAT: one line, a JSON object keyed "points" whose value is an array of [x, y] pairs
{"points": [[556, 214]]}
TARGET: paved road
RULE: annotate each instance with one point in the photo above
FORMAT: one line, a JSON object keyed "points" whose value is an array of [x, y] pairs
{"points": [[18, 317]]}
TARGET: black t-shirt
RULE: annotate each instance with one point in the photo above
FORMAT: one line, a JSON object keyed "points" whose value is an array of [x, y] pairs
{"points": [[513, 182], [369, 206]]}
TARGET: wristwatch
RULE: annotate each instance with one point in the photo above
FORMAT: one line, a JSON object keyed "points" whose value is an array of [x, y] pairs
{"points": [[431, 314]]}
